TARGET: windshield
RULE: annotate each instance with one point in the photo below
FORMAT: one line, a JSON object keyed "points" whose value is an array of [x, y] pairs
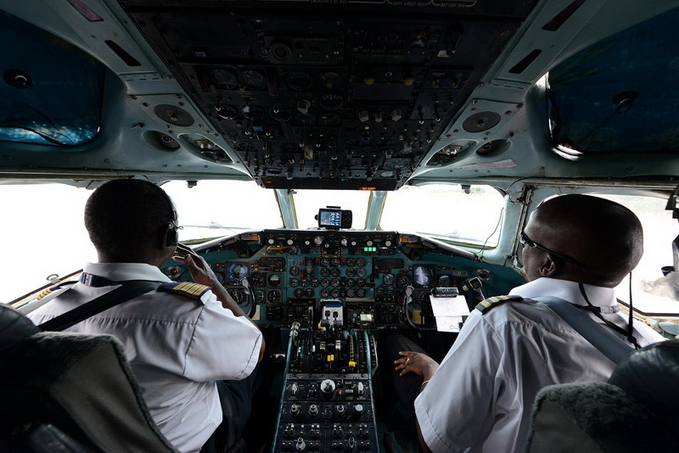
{"points": [[308, 202], [470, 214], [218, 208]]}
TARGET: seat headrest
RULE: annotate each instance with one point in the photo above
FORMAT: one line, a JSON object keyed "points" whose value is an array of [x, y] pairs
{"points": [[14, 327], [651, 377]]}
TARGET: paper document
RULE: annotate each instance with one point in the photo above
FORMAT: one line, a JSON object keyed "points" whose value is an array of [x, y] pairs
{"points": [[449, 312]]}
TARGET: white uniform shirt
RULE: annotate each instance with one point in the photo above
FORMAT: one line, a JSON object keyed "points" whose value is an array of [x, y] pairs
{"points": [[479, 400], [177, 348]]}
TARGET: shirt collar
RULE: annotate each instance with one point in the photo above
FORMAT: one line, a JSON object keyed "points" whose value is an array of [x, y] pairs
{"points": [[119, 272], [569, 291]]}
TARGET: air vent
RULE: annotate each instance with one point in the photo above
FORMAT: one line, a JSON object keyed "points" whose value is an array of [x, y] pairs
{"points": [[173, 115]]}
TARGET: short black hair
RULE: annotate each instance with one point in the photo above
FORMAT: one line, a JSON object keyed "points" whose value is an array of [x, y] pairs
{"points": [[127, 213]]}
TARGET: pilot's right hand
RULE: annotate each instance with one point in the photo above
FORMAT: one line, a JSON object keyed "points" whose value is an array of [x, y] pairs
{"points": [[201, 272], [416, 362]]}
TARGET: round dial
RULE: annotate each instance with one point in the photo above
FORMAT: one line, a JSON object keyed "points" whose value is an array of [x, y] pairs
{"points": [[273, 296], [294, 282], [360, 262], [388, 279], [294, 270], [274, 280]]}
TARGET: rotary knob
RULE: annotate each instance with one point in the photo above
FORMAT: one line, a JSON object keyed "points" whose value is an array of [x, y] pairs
{"points": [[328, 387]]}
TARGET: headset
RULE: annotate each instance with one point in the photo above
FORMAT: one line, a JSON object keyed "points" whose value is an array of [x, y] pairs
{"points": [[172, 237]]}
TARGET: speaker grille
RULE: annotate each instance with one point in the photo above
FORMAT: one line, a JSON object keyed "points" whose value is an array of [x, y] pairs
{"points": [[481, 121]]}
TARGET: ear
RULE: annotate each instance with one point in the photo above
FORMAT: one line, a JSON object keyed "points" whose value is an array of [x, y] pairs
{"points": [[548, 267]]}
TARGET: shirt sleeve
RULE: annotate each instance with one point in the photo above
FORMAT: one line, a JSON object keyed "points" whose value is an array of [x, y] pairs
{"points": [[224, 346], [455, 411]]}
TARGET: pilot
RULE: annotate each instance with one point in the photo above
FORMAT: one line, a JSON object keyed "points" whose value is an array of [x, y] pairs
{"points": [[479, 397], [178, 347]]}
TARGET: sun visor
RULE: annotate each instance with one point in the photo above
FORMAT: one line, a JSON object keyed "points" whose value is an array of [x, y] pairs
{"points": [[51, 91], [620, 94]]}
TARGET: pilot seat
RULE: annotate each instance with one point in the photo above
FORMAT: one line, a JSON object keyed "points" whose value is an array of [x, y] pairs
{"points": [[66, 392]]}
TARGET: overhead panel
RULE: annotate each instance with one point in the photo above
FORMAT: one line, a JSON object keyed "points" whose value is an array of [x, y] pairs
{"points": [[329, 95]]}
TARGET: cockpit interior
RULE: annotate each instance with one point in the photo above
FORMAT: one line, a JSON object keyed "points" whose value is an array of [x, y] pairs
{"points": [[401, 147]]}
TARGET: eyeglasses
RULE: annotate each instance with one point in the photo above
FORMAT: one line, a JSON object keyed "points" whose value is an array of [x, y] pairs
{"points": [[530, 243]]}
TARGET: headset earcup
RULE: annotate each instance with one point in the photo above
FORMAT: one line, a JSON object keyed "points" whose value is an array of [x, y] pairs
{"points": [[172, 238]]}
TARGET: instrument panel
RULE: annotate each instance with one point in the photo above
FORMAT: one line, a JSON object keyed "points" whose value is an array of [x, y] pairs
{"points": [[290, 274]]}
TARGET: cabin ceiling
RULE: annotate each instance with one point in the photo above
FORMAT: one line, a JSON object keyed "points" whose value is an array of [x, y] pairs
{"points": [[338, 95]]}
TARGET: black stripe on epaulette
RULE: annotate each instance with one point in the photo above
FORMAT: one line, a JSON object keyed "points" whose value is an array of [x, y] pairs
{"points": [[186, 289], [485, 305]]}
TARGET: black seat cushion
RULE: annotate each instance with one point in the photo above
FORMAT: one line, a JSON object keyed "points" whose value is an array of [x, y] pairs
{"points": [[14, 327]]}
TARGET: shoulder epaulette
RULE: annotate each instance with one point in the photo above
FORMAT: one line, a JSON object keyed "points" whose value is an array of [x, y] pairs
{"points": [[187, 289], [485, 305], [51, 289]]}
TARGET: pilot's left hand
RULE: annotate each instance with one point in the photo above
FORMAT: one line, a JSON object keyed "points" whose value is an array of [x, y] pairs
{"points": [[196, 265]]}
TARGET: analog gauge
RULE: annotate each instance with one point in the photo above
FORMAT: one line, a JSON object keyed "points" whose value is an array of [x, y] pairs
{"points": [[309, 292], [274, 280], [325, 292], [304, 119], [258, 280], [260, 295], [351, 282], [253, 112], [388, 279], [227, 111], [299, 292], [332, 80], [329, 119], [253, 80], [361, 272], [350, 272], [294, 270], [335, 262], [224, 79], [335, 272], [325, 272], [402, 281], [335, 282], [325, 282], [294, 282], [331, 101], [360, 282], [315, 282], [305, 282], [325, 262], [300, 81], [388, 289], [350, 292], [335, 293], [318, 240], [360, 292], [273, 296], [351, 262], [360, 262]]}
